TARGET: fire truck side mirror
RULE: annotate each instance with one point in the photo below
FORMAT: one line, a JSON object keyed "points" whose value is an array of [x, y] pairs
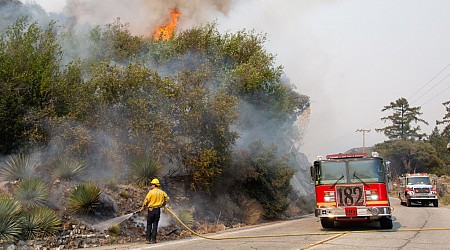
{"points": [[311, 170]]}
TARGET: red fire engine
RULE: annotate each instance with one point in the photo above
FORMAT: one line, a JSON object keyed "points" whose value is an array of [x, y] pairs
{"points": [[351, 187]]}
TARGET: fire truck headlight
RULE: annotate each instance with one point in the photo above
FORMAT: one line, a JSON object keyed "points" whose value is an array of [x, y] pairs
{"points": [[328, 196], [371, 195]]}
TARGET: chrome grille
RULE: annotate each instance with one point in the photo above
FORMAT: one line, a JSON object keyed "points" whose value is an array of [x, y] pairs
{"points": [[422, 190]]}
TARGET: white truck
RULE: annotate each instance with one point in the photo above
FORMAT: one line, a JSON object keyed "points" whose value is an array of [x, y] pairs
{"points": [[417, 188]]}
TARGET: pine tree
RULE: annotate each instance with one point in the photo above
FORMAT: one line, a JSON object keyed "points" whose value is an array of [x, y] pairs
{"points": [[446, 120], [402, 116]]}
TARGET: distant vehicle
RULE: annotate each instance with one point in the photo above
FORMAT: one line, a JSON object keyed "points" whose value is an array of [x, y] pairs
{"points": [[417, 188], [351, 188]]}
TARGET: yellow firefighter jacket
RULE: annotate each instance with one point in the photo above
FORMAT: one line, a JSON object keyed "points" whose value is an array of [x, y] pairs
{"points": [[155, 198]]}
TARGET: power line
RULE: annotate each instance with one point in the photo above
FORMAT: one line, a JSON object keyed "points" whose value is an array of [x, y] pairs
{"points": [[448, 65], [431, 88], [440, 93]]}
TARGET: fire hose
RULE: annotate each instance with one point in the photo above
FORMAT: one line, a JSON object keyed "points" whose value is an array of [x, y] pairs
{"points": [[336, 234]]}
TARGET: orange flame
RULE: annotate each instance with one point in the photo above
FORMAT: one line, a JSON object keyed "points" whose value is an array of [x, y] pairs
{"points": [[165, 32]]}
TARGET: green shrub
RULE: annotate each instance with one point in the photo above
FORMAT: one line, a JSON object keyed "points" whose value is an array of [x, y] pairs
{"points": [[18, 167], [84, 198], [111, 184], [445, 200], [63, 168], [267, 178], [143, 170], [114, 229], [9, 226], [123, 194], [31, 193], [40, 222]]}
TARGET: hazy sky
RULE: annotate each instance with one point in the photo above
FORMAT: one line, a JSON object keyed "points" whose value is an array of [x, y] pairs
{"points": [[351, 57]]}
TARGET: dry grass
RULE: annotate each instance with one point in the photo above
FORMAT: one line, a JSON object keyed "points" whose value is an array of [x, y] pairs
{"points": [[205, 228], [253, 212], [443, 189]]}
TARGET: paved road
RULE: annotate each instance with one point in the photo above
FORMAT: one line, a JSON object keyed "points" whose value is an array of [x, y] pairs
{"points": [[414, 228]]}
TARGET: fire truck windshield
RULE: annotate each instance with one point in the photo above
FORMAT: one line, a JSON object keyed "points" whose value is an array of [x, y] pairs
{"points": [[354, 171], [418, 180]]}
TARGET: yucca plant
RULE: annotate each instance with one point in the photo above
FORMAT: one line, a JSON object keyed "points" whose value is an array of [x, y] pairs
{"points": [[18, 167], [143, 170], [30, 226], [186, 217], [9, 226], [31, 193], [48, 221], [84, 198], [40, 222], [64, 168]]}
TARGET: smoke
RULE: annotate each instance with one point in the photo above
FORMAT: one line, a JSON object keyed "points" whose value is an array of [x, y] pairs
{"points": [[143, 16]]}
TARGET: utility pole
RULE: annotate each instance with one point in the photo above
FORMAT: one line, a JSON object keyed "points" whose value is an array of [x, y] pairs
{"points": [[364, 131]]}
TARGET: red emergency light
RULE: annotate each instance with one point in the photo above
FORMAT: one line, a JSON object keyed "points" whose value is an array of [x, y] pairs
{"points": [[343, 156]]}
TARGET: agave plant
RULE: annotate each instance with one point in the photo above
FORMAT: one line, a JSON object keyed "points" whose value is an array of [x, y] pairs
{"points": [[31, 193], [18, 167], [143, 170], [9, 226], [63, 168], [84, 198]]}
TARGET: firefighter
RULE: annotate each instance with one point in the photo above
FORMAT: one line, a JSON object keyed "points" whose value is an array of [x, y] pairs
{"points": [[153, 202]]}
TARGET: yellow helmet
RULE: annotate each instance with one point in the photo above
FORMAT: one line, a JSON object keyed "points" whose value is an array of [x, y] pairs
{"points": [[155, 182]]}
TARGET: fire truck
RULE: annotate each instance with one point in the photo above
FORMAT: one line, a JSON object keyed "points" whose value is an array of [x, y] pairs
{"points": [[351, 188], [417, 188]]}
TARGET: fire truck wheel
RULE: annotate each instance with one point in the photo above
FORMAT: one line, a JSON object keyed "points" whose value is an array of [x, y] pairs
{"points": [[386, 223], [327, 223], [435, 203]]}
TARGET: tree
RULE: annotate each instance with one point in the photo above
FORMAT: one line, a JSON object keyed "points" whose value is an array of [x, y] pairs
{"points": [[114, 42], [439, 141], [402, 117], [411, 157], [29, 57], [445, 120]]}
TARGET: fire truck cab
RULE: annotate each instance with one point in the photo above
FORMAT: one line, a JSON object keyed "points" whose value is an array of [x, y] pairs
{"points": [[417, 188], [351, 188]]}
